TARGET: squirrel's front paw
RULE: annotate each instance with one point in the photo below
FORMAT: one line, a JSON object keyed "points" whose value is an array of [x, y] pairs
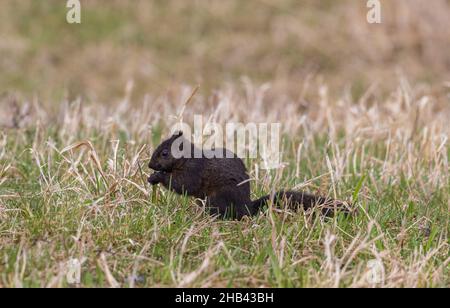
{"points": [[155, 178]]}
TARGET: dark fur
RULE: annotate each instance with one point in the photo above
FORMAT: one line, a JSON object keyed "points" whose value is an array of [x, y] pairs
{"points": [[223, 183]]}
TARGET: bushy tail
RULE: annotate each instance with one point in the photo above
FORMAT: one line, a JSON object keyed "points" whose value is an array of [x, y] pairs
{"points": [[306, 201]]}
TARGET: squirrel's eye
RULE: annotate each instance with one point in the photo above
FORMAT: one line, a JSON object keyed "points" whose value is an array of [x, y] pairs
{"points": [[164, 153]]}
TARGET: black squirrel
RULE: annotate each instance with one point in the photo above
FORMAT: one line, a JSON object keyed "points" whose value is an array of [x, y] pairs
{"points": [[222, 182]]}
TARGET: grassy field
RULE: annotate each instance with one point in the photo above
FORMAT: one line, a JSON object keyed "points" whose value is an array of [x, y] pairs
{"points": [[365, 118]]}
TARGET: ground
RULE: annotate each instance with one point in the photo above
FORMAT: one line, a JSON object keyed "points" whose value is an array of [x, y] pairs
{"points": [[364, 112]]}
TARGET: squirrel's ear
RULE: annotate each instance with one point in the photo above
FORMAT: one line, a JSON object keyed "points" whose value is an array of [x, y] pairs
{"points": [[178, 134]]}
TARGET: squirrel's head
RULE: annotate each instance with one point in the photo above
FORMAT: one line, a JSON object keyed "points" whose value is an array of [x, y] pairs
{"points": [[163, 158]]}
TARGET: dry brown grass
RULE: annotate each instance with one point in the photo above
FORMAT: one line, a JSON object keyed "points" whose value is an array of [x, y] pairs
{"points": [[83, 167], [364, 112], [160, 44]]}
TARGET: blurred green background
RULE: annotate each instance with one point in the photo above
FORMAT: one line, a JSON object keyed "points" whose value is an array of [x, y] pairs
{"points": [[159, 44]]}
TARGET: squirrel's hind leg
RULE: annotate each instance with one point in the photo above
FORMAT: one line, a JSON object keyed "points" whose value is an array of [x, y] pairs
{"points": [[229, 204]]}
